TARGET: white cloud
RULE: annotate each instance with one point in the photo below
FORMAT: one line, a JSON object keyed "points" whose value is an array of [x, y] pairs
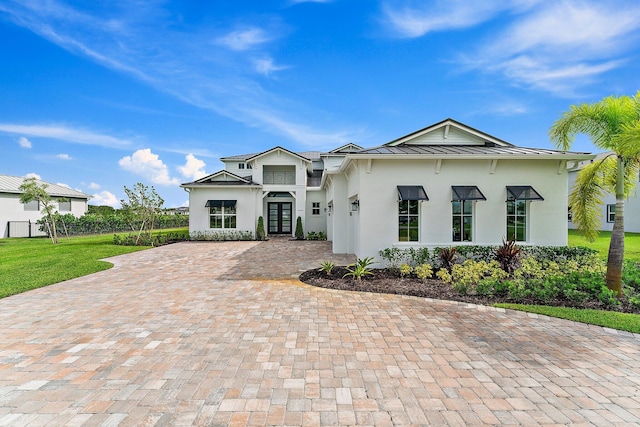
{"points": [[244, 39], [63, 156], [62, 184], [193, 168], [24, 142], [66, 134], [266, 66], [148, 165], [105, 198], [33, 175], [94, 186]]}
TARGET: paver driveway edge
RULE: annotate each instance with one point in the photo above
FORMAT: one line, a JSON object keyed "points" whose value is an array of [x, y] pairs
{"points": [[178, 336]]}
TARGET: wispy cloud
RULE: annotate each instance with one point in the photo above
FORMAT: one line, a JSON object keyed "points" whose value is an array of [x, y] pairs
{"points": [[66, 134], [24, 142], [94, 186], [63, 156], [266, 66], [202, 68], [415, 19], [148, 165], [552, 46], [245, 39]]}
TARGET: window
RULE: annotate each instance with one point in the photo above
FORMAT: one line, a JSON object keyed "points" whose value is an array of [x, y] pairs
{"points": [[408, 223], [462, 220], [222, 213], [249, 166], [517, 220], [611, 213], [462, 205], [315, 208], [33, 205], [240, 165], [64, 206], [569, 214], [518, 197]]}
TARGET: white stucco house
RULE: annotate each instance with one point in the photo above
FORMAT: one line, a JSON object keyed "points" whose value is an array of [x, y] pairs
{"points": [[447, 184], [608, 208], [15, 216]]}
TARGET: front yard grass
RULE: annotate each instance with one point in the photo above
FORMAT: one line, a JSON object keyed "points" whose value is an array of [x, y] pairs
{"points": [[609, 319], [27, 264], [601, 244]]}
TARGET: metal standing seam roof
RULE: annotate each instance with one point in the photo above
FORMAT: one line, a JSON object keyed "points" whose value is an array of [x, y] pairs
{"points": [[458, 150], [11, 184]]}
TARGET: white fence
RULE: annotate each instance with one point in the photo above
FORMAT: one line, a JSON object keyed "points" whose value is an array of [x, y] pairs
{"points": [[24, 229]]}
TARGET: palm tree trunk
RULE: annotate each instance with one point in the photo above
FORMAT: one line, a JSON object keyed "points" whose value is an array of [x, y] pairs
{"points": [[616, 245]]}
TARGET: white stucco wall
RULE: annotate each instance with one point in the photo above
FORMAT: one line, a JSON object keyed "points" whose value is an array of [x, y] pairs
{"points": [[315, 222], [377, 218], [247, 210], [12, 210]]}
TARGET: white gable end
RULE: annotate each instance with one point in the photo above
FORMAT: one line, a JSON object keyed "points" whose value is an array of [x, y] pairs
{"points": [[448, 132]]}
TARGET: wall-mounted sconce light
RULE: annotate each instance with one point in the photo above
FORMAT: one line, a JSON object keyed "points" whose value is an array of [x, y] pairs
{"points": [[355, 206]]}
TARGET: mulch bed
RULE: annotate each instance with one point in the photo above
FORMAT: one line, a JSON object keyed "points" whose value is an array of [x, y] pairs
{"points": [[389, 282]]}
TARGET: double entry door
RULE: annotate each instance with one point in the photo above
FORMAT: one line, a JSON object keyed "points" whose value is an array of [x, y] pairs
{"points": [[279, 218]]}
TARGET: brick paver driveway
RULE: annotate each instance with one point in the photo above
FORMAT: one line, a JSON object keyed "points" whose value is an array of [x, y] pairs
{"points": [[200, 333]]}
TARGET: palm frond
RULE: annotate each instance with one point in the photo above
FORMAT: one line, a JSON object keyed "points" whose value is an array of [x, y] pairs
{"points": [[587, 195], [601, 121]]}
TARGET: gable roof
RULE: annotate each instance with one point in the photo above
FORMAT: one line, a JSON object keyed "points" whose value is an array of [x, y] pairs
{"points": [[347, 148], [222, 177], [448, 132], [11, 184], [278, 148]]}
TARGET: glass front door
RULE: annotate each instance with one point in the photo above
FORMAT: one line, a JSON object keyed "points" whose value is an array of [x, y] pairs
{"points": [[279, 217]]}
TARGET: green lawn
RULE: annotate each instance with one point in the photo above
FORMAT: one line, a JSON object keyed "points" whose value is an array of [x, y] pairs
{"points": [[610, 319], [32, 263], [601, 244]]}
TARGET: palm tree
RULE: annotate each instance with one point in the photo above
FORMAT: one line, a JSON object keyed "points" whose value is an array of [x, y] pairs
{"points": [[612, 124]]}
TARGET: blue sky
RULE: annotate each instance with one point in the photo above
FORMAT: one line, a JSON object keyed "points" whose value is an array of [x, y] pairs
{"points": [[98, 95]]}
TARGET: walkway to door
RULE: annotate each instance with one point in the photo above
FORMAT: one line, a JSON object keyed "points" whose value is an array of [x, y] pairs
{"points": [[221, 334]]}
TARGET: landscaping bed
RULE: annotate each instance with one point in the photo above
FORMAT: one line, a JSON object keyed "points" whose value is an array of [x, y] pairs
{"points": [[390, 282]]}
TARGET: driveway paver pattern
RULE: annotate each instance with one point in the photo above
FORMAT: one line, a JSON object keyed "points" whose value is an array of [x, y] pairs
{"points": [[223, 334]]}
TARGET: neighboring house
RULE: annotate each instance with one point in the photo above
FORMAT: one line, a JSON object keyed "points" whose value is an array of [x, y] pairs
{"points": [[182, 210], [14, 212], [608, 208], [447, 184]]}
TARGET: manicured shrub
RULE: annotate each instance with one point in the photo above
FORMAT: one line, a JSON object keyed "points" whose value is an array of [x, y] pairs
{"points": [[260, 233], [423, 272], [405, 270], [299, 230]]}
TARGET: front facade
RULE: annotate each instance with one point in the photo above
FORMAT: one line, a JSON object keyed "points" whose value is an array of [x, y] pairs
{"points": [[444, 185], [14, 214]]}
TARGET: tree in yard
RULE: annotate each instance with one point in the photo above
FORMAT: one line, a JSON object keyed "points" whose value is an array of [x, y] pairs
{"points": [[612, 124], [141, 209], [31, 191]]}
